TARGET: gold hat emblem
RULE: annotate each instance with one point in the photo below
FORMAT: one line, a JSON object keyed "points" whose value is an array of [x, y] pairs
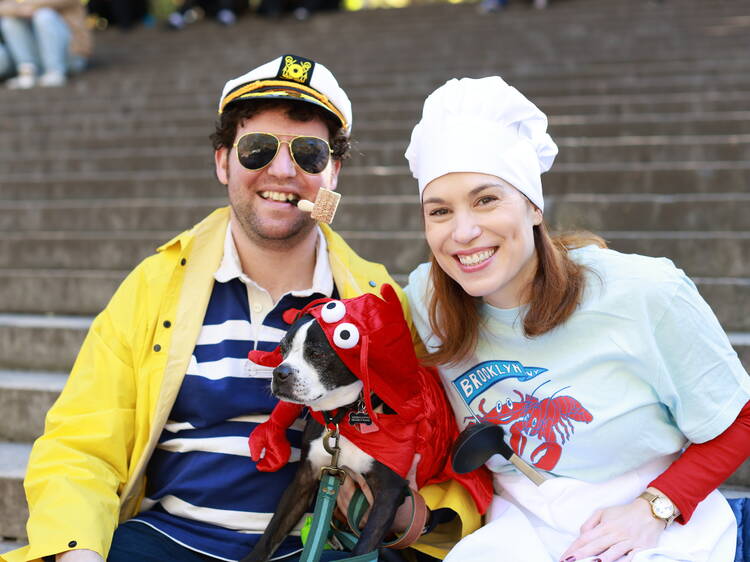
{"points": [[295, 70]]}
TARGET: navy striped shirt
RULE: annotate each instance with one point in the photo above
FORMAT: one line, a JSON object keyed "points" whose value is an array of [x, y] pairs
{"points": [[203, 491]]}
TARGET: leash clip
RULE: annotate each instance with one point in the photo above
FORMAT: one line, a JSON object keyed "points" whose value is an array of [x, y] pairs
{"points": [[334, 450]]}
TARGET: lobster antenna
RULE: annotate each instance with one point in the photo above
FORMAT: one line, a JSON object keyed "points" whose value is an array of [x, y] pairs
{"points": [[540, 386], [556, 392]]}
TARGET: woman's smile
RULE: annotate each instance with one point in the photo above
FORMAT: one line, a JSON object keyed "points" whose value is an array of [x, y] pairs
{"points": [[474, 260]]}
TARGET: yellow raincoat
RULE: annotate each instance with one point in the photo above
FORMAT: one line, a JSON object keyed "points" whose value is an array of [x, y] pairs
{"points": [[86, 473]]}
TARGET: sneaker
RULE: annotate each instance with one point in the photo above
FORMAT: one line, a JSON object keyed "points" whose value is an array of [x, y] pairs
{"points": [[26, 77], [226, 17], [22, 82], [52, 79]]}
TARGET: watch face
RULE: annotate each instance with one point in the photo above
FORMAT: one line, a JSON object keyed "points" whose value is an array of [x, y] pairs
{"points": [[662, 508]]}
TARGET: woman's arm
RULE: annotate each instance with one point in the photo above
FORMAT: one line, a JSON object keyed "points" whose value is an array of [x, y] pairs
{"points": [[613, 532], [702, 467]]}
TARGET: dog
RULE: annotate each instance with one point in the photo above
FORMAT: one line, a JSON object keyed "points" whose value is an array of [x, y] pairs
{"points": [[352, 363]]}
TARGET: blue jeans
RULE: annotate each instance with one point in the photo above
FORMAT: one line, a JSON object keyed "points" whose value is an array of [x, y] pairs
{"points": [[6, 64], [41, 40]]}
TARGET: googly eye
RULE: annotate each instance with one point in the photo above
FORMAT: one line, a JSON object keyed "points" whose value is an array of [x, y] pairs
{"points": [[346, 335], [333, 312]]}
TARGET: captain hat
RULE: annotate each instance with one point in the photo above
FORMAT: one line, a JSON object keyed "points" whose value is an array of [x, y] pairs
{"points": [[294, 78], [482, 125]]}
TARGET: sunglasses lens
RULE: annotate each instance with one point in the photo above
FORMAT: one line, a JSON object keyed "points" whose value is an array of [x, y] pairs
{"points": [[256, 150], [311, 154]]}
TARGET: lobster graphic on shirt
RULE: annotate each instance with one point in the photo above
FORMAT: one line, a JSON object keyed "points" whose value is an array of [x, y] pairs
{"points": [[548, 419]]}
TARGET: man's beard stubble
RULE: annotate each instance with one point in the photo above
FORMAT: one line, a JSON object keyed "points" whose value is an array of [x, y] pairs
{"points": [[254, 230]]}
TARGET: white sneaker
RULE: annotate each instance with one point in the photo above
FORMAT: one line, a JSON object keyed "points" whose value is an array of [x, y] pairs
{"points": [[52, 79], [22, 82], [26, 77]]}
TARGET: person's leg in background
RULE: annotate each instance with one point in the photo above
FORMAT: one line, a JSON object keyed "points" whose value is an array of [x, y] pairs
{"points": [[21, 45], [6, 63], [52, 37]]}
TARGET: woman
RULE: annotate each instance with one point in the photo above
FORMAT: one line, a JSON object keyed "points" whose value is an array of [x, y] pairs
{"points": [[601, 367]]}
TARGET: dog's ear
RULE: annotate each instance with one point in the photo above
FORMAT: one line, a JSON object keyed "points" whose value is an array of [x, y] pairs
{"points": [[388, 293]]}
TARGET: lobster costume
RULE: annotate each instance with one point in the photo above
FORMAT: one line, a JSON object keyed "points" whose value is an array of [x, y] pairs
{"points": [[372, 338]]}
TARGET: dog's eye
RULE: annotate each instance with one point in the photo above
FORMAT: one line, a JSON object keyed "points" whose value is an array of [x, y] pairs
{"points": [[332, 312], [346, 335]]}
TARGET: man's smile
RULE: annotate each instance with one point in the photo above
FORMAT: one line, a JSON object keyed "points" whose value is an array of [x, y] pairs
{"points": [[280, 196]]}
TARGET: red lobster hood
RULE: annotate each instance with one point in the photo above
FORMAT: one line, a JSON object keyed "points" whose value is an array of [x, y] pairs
{"points": [[372, 338]]}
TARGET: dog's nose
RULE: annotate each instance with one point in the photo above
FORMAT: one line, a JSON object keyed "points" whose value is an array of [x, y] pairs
{"points": [[283, 372]]}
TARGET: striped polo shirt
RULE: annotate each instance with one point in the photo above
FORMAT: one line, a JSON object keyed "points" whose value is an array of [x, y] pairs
{"points": [[203, 490]]}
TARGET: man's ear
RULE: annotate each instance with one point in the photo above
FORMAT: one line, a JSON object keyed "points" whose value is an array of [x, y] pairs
{"points": [[221, 161], [335, 169]]}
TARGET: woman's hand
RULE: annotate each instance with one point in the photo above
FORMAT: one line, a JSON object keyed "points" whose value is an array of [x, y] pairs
{"points": [[615, 532]]}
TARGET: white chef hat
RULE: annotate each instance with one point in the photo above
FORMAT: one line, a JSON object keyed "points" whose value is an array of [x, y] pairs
{"points": [[486, 126]]}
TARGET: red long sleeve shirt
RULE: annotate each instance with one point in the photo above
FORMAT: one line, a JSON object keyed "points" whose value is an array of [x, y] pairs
{"points": [[702, 467]]}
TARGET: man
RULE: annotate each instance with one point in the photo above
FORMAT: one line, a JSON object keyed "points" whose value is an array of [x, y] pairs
{"points": [[151, 430]]}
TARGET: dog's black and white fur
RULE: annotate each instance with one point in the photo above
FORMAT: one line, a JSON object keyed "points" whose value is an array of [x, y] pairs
{"points": [[314, 375]]}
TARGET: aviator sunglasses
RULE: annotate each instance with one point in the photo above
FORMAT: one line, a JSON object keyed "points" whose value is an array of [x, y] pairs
{"points": [[255, 151]]}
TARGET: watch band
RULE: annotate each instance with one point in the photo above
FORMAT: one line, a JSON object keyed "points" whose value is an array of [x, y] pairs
{"points": [[651, 497]]}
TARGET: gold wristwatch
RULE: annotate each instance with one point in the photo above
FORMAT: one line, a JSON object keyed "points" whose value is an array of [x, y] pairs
{"points": [[661, 507]]}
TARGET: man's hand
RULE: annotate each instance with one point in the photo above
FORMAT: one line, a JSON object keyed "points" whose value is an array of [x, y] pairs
{"points": [[79, 556], [614, 532]]}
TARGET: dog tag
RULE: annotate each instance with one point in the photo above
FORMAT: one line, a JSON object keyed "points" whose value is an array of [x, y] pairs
{"points": [[359, 418], [362, 421]]}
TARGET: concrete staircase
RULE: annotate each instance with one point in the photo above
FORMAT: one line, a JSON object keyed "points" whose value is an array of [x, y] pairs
{"points": [[649, 102]]}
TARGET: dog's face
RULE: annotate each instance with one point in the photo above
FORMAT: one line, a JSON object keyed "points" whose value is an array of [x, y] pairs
{"points": [[312, 373]]}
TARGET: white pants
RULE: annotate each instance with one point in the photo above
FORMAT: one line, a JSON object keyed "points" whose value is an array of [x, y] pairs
{"points": [[527, 523]]}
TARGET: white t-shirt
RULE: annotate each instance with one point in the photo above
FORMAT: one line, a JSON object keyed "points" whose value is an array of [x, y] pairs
{"points": [[638, 371]]}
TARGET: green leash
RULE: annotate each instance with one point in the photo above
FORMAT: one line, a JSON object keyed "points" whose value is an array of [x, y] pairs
{"points": [[325, 503]]}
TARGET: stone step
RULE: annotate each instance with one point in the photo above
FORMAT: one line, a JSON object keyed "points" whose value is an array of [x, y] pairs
{"points": [[25, 397], [76, 292], [14, 457], [651, 177], [600, 211], [55, 291], [40, 343], [51, 343], [7, 546], [699, 253], [575, 150], [129, 153], [703, 123], [367, 110], [193, 142], [400, 104]]}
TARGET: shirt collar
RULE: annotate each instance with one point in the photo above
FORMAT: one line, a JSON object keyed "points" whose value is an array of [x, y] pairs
{"points": [[230, 267]]}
